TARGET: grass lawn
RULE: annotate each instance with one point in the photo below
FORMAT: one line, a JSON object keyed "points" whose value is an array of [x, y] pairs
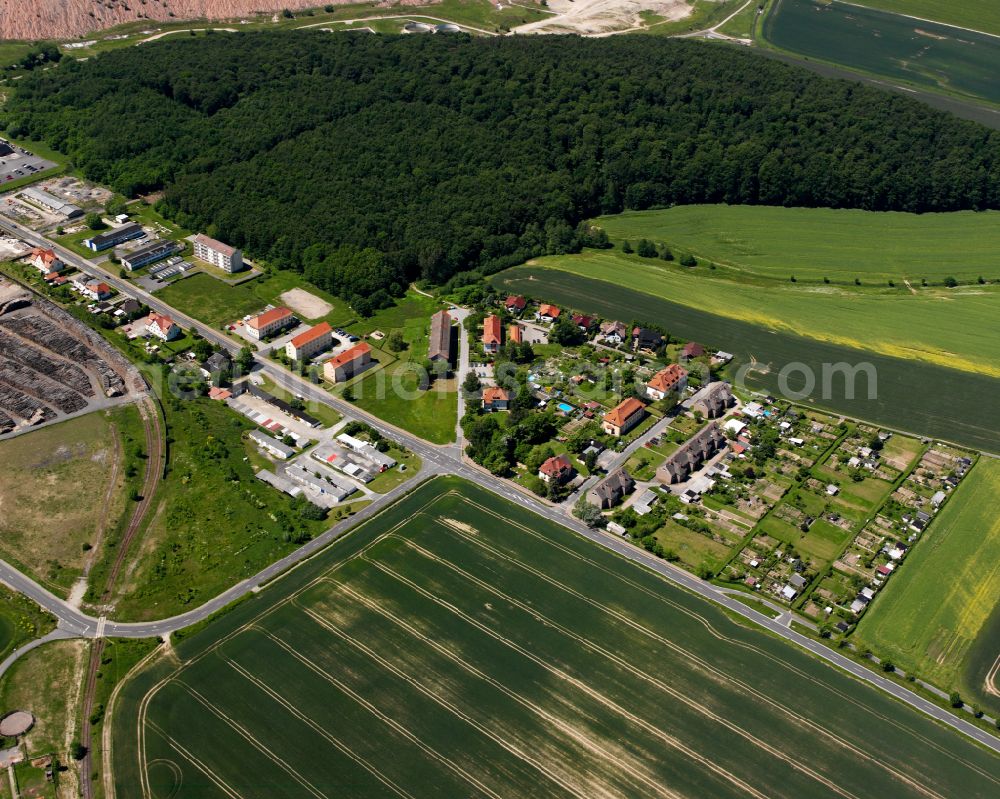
{"points": [[48, 681], [459, 629], [271, 285], [148, 216], [209, 300], [212, 522], [693, 549], [21, 620], [393, 477], [930, 617], [824, 541], [64, 487], [393, 395], [74, 243]]}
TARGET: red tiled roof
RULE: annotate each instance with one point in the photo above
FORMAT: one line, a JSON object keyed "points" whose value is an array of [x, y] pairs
{"points": [[514, 334], [47, 256], [313, 333], [268, 317], [491, 330], [624, 411], [548, 310], [515, 302], [160, 320], [494, 393], [352, 354], [667, 379], [555, 466], [692, 350]]}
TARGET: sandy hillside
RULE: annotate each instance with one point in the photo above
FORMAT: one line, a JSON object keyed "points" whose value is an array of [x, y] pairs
{"points": [[595, 17], [64, 19]]}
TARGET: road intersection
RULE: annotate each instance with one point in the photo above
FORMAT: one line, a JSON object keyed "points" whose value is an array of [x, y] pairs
{"points": [[436, 460]]}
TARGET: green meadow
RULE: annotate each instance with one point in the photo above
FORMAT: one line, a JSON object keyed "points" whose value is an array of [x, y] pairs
{"points": [[955, 328], [933, 618], [458, 645], [816, 243]]}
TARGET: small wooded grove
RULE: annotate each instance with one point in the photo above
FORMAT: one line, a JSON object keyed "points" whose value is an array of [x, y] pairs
{"points": [[368, 161]]}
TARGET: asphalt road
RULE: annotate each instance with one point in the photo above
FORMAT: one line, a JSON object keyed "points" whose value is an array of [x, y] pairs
{"points": [[436, 460]]}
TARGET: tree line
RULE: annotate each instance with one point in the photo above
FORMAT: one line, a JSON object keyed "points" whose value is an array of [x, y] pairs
{"points": [[370, 161]]}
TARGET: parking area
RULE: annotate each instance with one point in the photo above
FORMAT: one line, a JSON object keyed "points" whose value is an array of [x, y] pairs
{"points": [[16, 163]]}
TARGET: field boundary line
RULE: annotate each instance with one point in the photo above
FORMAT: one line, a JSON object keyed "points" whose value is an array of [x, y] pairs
{"points": [[660, 597], [700, 662], [601, 699], [312, 724], [920, 19], [653, 681], [245, 734], [440, 700], [181, 750]]}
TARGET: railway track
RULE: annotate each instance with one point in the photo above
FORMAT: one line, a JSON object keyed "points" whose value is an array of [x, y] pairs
{"points": [[155, 463]]}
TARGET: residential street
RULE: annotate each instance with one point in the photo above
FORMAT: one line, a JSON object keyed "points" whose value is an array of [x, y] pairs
{"points": [[436, 460]]}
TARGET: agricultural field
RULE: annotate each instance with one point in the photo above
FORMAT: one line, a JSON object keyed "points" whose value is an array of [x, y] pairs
{"points": [[65, 488], [773, 328], [389, 665], [747, 242], [935, 617], [926, 55], [977, 15], [948, 327]]}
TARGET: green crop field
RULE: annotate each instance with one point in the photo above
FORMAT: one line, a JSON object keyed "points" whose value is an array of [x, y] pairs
{"points": [[979, 15], [817, 243], [933, 616], [458, 645], [948, 327], [723, 314], [925, 54]]}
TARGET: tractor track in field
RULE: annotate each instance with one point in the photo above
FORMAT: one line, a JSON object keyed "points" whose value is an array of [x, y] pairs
{"points": [[155, 463]]}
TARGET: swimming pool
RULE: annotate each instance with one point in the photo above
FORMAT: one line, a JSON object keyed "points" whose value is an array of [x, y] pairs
{"points": [[565, 407]]}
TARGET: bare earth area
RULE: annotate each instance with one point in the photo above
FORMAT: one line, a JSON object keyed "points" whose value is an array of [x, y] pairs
{"points": [[305, 304], [63, 19], [603, 16]]}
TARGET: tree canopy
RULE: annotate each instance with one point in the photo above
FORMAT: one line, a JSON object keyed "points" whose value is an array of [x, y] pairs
{"points": [[369, 161]]}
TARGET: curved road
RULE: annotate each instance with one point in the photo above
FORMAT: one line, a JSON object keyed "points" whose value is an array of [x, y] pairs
{"points": [[436, 460]]}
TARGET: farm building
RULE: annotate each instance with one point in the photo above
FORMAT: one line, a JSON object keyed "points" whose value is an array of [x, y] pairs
{"points": [[439, 348]]}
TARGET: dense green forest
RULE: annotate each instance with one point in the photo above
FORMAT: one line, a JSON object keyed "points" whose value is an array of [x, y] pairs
{"points": [[368, 161]]}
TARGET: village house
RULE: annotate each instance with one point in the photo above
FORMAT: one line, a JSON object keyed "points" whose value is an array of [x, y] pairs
{"points": [[613, 333], [314, 340], [692, 455], [548, 313], [584, 322], [268, 323], [691, 350], [161, 326], [492, 335], [514, 334], [556, 470], [495, 399], [609, 492], [713, 400], [515, 304], [46, 262], [95, 290], [645, 340], [348, 363], [666, 381], [623, 417]]}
